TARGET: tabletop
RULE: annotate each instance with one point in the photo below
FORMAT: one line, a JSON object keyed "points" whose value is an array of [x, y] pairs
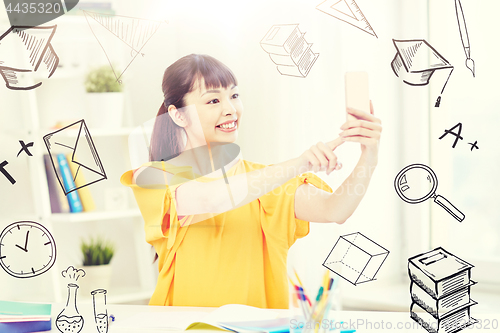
{"points": [[361, 321]]}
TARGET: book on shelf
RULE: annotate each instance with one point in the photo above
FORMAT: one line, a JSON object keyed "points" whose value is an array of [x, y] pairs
{"points": [[24, 317], [73, 199], [58, 201], [83, 192]]}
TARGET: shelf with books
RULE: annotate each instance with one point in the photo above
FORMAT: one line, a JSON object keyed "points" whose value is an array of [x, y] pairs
{"points": [[93, 216]]}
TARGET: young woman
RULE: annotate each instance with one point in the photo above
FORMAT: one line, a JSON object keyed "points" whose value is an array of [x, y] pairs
{"points": [[222, 236]]}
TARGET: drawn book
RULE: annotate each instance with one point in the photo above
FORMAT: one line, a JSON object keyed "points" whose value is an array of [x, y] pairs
{"points": [[450, 323], [289, 50], [439, 307], [439, 272]]}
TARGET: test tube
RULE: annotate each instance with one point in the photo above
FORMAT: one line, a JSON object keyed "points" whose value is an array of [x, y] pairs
{"points": [[100, 310]]}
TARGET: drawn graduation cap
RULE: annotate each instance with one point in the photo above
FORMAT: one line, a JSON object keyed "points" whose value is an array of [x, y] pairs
{"points": [[416, 61], [33, 52]]}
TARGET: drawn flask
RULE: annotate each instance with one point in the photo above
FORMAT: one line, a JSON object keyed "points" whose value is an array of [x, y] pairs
{"points": [[70, 320], [100, 310]]}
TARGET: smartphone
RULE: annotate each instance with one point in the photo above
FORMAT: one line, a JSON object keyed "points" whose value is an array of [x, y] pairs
{"points": [[356, 92]]}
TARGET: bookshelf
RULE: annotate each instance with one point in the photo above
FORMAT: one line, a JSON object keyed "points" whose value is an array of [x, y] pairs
{"points": [[122, 226]]}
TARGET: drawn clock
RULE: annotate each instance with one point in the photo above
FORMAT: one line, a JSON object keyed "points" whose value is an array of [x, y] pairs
{"points": [[27, 249]]}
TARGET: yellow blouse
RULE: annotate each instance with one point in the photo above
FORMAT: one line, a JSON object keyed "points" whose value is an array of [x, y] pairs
{"points": [[237, 257]]}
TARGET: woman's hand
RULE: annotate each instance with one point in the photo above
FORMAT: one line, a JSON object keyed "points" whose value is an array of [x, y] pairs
{"points": [[320, 157], [366, 130]]}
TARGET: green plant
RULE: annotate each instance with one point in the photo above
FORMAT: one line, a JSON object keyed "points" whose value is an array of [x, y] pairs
{"points": [[102, 79], [97, 251]]}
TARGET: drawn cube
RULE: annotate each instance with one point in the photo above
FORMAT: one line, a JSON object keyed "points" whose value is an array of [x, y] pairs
{"points": [[356, 258]]}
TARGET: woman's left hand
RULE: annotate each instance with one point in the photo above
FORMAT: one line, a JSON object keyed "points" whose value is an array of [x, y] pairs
{"points": [[366, 130]]}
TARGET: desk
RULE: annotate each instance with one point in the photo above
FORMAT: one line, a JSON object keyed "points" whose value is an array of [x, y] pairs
{"points": [[362, 321]]}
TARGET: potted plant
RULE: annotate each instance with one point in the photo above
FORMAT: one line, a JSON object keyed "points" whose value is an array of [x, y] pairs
{"points": [[97, 254], [105, 98]]}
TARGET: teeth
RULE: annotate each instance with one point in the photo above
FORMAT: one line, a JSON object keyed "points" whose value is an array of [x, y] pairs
{"points": [[230, 125]]}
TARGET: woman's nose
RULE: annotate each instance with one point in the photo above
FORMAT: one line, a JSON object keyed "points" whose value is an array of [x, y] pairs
{"points": [[228, 108]]}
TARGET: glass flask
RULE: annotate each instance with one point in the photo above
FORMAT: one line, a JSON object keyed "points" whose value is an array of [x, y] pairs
{"points": [[100, 310], [70, 320]]}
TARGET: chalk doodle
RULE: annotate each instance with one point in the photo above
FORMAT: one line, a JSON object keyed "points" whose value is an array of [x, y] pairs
{"points": [[417, 182], [87, 163], [464, 37], [100, 310], [34, 47], [416, 61], [457, 136], [24, 147], [289, 50], [6, 173], [440, 291], [133, 32], [27, 249], [347, 11], [356, 258]]}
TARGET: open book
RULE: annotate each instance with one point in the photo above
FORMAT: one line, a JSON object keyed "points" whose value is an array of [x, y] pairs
{"points": [[231, 317]]}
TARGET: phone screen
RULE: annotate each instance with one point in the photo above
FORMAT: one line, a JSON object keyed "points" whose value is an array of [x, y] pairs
{"points": [[356, 92]]}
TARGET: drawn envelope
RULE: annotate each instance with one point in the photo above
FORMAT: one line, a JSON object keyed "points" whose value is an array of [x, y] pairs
{"points": [[75, 142], [22, 52]]}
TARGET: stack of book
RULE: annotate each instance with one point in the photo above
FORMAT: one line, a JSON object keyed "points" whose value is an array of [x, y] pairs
{"points": [[440, 291], [76, 201], [289, 50], [17, 317]]}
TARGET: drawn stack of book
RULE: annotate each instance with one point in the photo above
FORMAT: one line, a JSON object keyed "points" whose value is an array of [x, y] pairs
{"points": [[289, 50], [440, 291]]}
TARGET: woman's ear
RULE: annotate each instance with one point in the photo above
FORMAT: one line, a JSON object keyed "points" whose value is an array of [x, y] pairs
{"points": [[178, 118]]}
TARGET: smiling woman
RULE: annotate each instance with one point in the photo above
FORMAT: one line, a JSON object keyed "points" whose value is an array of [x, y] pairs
{"points": [[217, 242]]}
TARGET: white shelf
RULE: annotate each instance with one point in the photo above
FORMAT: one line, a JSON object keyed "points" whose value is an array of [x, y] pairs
{"points": [[94, 132], [122, 295], [93, 216]]}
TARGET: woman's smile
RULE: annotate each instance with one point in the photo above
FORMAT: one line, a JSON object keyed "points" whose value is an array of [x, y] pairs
{"points": [[228, 126]]}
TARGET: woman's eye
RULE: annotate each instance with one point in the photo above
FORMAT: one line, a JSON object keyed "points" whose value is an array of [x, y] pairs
{"points": [[235, 96], [215, 100]]}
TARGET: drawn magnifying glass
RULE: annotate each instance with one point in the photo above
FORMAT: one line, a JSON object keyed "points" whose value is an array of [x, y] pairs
{"points": [[417, 183]]}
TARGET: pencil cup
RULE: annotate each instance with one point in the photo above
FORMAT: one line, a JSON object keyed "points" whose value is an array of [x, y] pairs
{"points": [[300, 313]]}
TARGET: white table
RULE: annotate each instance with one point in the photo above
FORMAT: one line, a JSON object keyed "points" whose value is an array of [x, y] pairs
{"points": [[361, 321]]}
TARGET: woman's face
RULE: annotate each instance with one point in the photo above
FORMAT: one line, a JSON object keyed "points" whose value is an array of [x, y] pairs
{"points": [[218, 113]]}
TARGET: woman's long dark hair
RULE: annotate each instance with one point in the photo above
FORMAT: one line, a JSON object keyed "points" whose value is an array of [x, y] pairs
{"points": [[178, 80]]}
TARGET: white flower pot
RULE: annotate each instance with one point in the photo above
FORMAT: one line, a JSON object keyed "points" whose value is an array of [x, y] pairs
{"points": [[104, 110], [96, 277]]}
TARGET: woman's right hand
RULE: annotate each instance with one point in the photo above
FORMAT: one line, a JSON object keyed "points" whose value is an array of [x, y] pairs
{"points": [[321, 157]]}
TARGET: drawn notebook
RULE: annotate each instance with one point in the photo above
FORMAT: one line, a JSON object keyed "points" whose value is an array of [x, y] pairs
{"points": [[231, 315], [439, 272]]}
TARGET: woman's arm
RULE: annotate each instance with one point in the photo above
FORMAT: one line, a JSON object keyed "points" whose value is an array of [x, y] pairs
{"points": [[312, 204], [215, 197]]}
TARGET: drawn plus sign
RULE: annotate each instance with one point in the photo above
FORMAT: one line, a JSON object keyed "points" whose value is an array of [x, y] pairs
{"points": [[474, 145]]}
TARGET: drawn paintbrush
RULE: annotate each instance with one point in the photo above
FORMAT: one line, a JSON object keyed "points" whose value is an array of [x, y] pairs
{"points": [[462, 27]]}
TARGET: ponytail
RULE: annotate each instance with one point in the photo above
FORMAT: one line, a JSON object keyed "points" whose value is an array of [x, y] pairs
{"points": [[166, 139]]}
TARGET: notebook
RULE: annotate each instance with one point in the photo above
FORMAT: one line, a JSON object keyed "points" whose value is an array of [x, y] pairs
{"points": [[242, 318]]}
